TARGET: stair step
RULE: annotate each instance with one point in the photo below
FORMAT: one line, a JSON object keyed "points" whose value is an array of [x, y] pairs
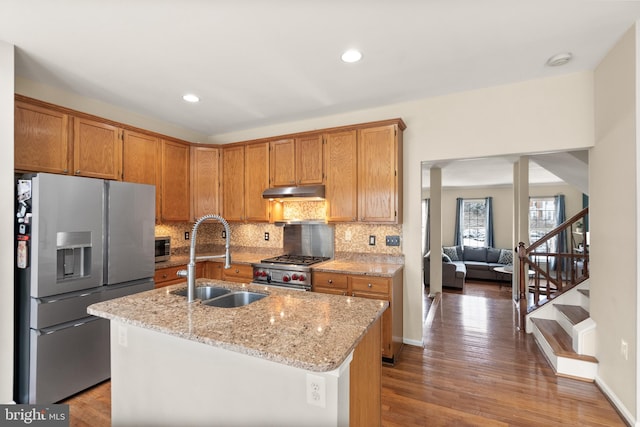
{"points": [[574, 313], [584, 292], [559, 341]]}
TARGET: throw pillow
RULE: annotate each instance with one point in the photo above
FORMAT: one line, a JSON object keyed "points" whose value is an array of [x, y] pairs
{"points": [[445, 258], [451, 252], [506, 257], [493, 255], [475, 254]]}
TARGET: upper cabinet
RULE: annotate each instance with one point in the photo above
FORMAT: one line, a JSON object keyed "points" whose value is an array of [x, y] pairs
{"points": [[205, 182], [297, 161], [341, 176], [175, 195], [245, 175], [97, 149], [41, 139], [380, 174], [141, 162]]}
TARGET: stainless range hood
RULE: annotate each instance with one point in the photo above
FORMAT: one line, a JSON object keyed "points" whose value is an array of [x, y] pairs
{"points": [[293, 193]]}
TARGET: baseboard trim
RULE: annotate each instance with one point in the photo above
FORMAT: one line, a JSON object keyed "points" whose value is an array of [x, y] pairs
{"points": [[615, 401], [413, 342]]}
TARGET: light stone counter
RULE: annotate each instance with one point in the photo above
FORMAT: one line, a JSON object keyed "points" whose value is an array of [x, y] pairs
{"points": [[306, 330], [358, 267]]}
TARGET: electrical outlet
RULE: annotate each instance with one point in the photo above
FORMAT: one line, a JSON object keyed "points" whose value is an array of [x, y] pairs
{"points": [[224, 234], [624, 349], [122, 335], [393, 241], [316, 390], [347, 236], [372, 240], [186, 235], [266, 235]]}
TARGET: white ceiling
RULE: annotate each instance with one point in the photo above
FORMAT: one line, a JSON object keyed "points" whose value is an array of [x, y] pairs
{"points": [[256, 63]]}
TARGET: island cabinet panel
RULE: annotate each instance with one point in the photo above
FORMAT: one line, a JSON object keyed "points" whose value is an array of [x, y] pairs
{"points": [[205, 184], [239, 273], [309, 160], [365, 379], [283, 157], [41, 138], [373, 287], [97, 149], [233, 183], [256, 181], [341, 178], [169, 276], [175, 199], [140, 161], [379, 180]]}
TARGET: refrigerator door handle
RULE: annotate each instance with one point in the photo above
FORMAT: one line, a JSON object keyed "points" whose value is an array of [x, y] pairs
{"points": [[57, 298], [68, 325]]}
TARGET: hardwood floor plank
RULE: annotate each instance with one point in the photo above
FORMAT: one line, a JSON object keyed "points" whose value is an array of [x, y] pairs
{"points": [[476, 370]]}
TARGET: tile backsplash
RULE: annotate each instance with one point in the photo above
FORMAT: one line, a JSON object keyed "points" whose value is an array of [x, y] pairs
{"points": [[349, 237]]}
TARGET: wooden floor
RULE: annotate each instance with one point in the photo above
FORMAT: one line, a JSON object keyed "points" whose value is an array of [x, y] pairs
{"points": [[475, 370]]}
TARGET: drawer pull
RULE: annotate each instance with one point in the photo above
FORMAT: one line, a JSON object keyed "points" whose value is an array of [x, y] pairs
{"points": [[164, 276], [370, 285], [237, 271], [330, 281]]}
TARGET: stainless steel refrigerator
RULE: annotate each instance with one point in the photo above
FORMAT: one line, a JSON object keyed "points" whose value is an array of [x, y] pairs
{"points": [[78, 241]]}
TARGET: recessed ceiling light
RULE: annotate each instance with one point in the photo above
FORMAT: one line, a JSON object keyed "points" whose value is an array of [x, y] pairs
{"points": [[352, 55], [191, 98], [559, 59]]}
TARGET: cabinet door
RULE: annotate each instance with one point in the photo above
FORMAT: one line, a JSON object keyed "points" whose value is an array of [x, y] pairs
{"points": [[233, 183], [239, 273], [309, 160], [377, 174], [41, 139], [256, 181], [341, 176], [213, 270], [175, 181], [283, 163], [205, 169], [140, 161], [97, 149], [330, 283]]}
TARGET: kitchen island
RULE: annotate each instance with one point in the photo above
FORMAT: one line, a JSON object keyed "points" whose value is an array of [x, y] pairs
{"points": [[291, 358]]}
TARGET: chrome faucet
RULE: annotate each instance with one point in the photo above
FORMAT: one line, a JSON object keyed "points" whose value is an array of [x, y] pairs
{"points": [[190, 272]]}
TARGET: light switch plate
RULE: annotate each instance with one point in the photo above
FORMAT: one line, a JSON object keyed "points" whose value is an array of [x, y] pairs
{"points": [[372, 240]]}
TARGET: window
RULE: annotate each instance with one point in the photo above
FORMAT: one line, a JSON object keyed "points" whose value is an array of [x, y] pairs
{"points": [[474, 222], [542, 219]]}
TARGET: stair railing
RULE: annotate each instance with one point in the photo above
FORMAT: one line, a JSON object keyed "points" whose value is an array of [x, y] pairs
{"points": [[546, 272]]}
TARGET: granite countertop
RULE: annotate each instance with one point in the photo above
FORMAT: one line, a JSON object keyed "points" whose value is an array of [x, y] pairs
{"points": [[358, 267], [236, 258], [307, 330]]}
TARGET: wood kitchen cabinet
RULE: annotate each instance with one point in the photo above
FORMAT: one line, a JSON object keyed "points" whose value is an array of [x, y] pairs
{"points": [[205, 183], [41, 139], [51, 140], [297, 161], [175, 195], [213, 270], [239, 273], [341, 176], [169, 276], [245, 175], [380, 174], [374, 287], [140, 161], [97, 149]]}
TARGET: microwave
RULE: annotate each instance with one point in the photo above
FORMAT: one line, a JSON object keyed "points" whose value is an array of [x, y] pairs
{"points": [[163, 248]]}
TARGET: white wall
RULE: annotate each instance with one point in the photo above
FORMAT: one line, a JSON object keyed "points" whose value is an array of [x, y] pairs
{"points": [[6, 222], [614, 220], [550, 114]]}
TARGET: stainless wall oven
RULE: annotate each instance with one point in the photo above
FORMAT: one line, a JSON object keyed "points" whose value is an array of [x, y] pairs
{"points": [[163, 248]]}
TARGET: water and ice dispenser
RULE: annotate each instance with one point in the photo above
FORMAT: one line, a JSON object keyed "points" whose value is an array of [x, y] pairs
{"points": [[73, 255]]}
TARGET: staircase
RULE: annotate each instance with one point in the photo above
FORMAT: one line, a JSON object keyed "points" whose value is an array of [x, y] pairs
{"points": [[566, 334]]}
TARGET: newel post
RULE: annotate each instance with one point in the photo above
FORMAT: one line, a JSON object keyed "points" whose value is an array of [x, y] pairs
{"points": [[523, 279]]}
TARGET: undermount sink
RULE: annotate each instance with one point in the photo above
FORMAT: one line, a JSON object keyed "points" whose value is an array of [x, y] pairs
{"points": [[235, 299], [205, 292]]}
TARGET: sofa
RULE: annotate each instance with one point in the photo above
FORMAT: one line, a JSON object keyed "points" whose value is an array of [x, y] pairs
{"points": [[467, 262]]}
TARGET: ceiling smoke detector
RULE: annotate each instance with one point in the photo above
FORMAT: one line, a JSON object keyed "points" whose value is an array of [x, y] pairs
{"points": [[559, 59]]}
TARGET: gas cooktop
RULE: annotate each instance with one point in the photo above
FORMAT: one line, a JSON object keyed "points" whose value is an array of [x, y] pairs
{"points": [[295, 259]]}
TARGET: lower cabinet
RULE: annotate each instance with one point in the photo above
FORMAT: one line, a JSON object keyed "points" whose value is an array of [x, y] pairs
{"points": [[169, 276], [240, 273], [213, 270], [374, 287]]}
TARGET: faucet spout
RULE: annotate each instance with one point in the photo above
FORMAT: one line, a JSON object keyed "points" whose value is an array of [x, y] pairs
{"points": [[190, 273]]}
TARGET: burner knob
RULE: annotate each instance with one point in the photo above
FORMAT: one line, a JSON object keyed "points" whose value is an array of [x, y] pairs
{"points": [[263, 273], [301, 277], [257, 273], [285, 279], [294, 277]]}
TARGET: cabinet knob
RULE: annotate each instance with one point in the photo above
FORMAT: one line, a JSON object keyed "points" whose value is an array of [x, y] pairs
{"points": [[237, 271], [330, 281], [65, 170], [164, 276], [370, 285], [78, 172]]}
